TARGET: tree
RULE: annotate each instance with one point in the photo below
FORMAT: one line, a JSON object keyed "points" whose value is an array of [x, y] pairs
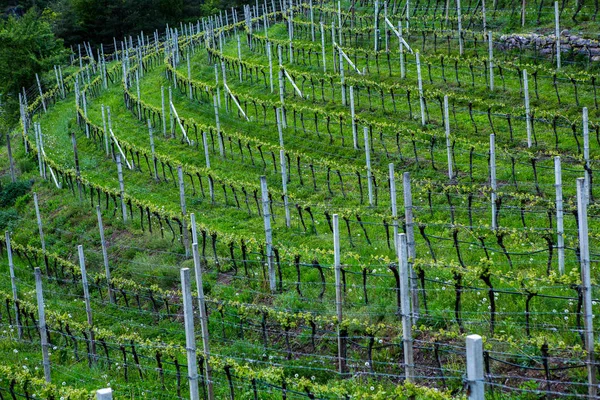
{"points": [[27, 46]]}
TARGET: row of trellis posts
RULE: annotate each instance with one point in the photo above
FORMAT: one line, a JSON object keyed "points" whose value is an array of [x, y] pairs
{"points": [[408, 305]]}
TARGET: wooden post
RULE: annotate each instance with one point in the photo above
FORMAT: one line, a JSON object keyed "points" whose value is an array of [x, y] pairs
{"points": [[312, 21], [203, 319], [405, 306], [121, 188], [171, 116], [39, 222], [557, 33], [410, 240], [491, 59], [189, 76], [281, 87], [493, 179], [268, 232], [284, 186], [459, 18], [401, 51], [105, 131], [186, 239], [586, 155], [270, 56], [239, 52], [483, 17], [111, 295], [475, 380], [87, 125], [376, 26], [76, 156], [342, 77], [42, 323], [205, 145], [11, 161], [527, 109], [38, 147], [109, 118], [278, 117], [190, 336], [368, 163], [393, 202], [420, 83], [323, 48], [217, 86], [448, 145], [37, 78], [219, 134], [353, 116], [104, 394], [523, 13], [163, 112], [13, 284], [86, 299], [339, 301], [588, 313], [62, 82], [560, 230], [152, 149]]}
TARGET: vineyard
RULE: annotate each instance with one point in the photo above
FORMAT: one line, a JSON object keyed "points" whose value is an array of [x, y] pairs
{"points": [[310, 200]]}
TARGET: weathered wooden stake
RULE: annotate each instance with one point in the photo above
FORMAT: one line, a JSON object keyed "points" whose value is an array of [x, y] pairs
{"points": [[475, 380], [527, 109], [448, 145], [111, 295], [270, 56], [557, 33], [163, 112], [190, 336], [203, 320], [104, 394], [405, 307], [586, 156], [491, 59], [219, 133], [339, 301], [588, 313], [353, 116], [39, 222], [42, 324], [268, 232], [368, 163], [152, 149], [394, 204], [459, 18], [11, 161], [186, 239], [13, 284], [282, 163], [420, 84], [410, 239], [86, 299], [560, 230], [122, 188], [493, 179], [37, 78], [323, 48]]}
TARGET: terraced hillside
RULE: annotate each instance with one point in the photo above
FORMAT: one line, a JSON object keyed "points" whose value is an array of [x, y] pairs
{"points": [[355, 188]]}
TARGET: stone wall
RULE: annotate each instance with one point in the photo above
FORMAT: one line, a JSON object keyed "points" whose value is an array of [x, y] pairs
{"points": [[546, 44]]}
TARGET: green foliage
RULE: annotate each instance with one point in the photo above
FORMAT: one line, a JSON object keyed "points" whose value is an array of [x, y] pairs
{"points": [[27, 46], [7, 218], [10, 193]]}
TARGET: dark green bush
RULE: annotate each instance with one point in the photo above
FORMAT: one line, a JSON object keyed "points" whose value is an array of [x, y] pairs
{"points": [[7, 218], [10, 192]]}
